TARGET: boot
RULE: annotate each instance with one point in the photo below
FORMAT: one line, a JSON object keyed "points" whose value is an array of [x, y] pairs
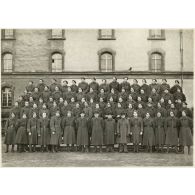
{"points": [[7, 148], [30, 148], [68, 149], [112, 148], [176, 150], [34, 148], [182, 149], [188, 150], [107, 148], [125, 148], [82, 149], [12, 148], [52, 149], [150, 149], [21, 148], [137, 148], [120, 148], [47, 148], [134, 148], [167, 149], [86, 149], [56, 148], [42, 149], [73, 148], [95, 149], [100, 149]]}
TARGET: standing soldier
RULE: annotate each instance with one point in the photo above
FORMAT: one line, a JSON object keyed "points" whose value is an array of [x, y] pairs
{"points": [[68, 125], [30, 87], [104, 86], [82, 125], [44, 110], [69, 94], [54, 109], [25, 110], [83, 85], [21, 136], [53, 85], [175, 87], [114, 84], [171, 130], [145, 87], [10, 132], [32, 129], [44, 132], [159, 129], [31, 101], [136, 129], [162, 110], [91, 94], [36, 95], [46, 94], [94, 85], [57, 94], [155, 85], [135, 86], [97, 125], [110, 131], [143, 95], [113, 94], [125, 84], [74, 87], [41, 85], [16, 110], [185, 134], [80, 95], [88, 110], [179, 95], [64, 86], [148, 135], [164, 86], [56, 132]]}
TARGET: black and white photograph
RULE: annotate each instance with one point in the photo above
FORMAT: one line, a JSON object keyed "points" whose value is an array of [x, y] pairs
{"points": [[105, 97]]}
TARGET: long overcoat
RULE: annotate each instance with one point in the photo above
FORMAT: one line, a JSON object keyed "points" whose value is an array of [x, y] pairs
{"points": [[32, 128], [148, 135], [21, 136], [185, 134], [123, 130], [159, 130], [110, 130], [56, 130]]}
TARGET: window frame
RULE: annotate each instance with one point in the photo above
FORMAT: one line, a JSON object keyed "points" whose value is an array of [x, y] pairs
{"points": [[12, 96], [2, 62], [3, 35], [57, 38], [150, 37], [106, 38], [50, 66]]}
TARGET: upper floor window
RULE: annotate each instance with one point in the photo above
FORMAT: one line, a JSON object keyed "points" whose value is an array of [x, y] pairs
{"points": [[157, 34], [107, 34], [8, 34], [57, 34], [156, 62], [7, 97], [106, 62], [57, 62], [7, 60]]}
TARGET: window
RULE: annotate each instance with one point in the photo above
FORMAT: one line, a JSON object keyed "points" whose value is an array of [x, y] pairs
{"points": [[8, 34], [157, 34], [57, 34], [107, 34], [6, 97], [156, 62], [106, 62], [56, 62], [7, 62]]}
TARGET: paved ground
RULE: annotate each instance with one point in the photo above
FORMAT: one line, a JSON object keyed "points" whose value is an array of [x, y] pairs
{"points": [[78, 159]]}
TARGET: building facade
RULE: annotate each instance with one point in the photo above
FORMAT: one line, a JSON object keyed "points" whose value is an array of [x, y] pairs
{"points": [[72, 53]]}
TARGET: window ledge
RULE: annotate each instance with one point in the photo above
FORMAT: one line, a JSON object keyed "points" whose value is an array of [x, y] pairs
{"points": [[106, 39], [153, 38], [8, 39], [57, 39]]}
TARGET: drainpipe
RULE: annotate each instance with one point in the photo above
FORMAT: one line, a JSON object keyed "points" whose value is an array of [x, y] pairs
{"points": [[181, 55]]}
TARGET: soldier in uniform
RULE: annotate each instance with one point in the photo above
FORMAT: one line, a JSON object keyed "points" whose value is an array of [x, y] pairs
{"points": [[164, 85], [114, 84], [46, 94], [104, 86], [44, 110], [80, 94], [64, 87], [123, 131], [91, 94], [10, 132], [56, 131], [83, 85], [159, 129], [135, 86], [171, 131], [175, 87], [57, 94], [155, 85], [41, 85], [53, 85], [145, 87], [94, 85], [34, 109], [69, 94], [74, 87], [136, 129], [143, 95], [30, 87], [113, 94], [179, 95], [87, 110], [53, 109], [97, 125], [25, 110], [16, 110], [32, 129], [125, 84], [124, 94], [44, 132], [103, 95], [110, 131], [148, 135], [36, 94], [50, 102]]}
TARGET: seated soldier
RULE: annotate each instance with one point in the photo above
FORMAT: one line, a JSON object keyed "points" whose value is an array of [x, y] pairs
{"points": [[103, 95], [69, 94], [64, 86], [57, 94], [92, 94], [124, 94], [50, 102], [80, 94], [167, 96], [36, 95]]}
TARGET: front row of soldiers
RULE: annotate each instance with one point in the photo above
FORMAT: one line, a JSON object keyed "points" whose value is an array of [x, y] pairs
{"points": [[78, 134]]}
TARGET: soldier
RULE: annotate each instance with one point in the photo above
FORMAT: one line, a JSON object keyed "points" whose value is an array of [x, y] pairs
{"points": [[187, 110], [72, 103], [162, 102], [34, 109], [44, 110], [141, 111], [103, 95], [159, 129], [164, 86], [118, 111], [123, 131], [97, 125], [122, 102], [53, 85], [136, 129], [57, 94], [32, 129], [69, 94], [113, 94], [179, 95], [104, 86], [162, 110], [145, 87], [74, 87], [139, 101], [143, 95], [83, 85], [50, 102], [80, 94], [133, 94], [135, 86], [114, 84], [129, 111], [97, 109], [25, 95], [130, 100], [173, 109], [94, 85], [30, 87], [125, 84], [87, 110], [82, 125], [108, 111], [36, 94], [155, 96], [185, 133], [171, 131], [56, 131], [46, 94], [61, 103], [91, 94], [148, 135], [53, 109], [64, 87], [41, 85], [110, 131], [167, 96], [10, 132], [68, 125], [65, 108], [124, 94], [21, 135], [31, 101], [25, 110], [16, 110], [150, 109], [175, 87], [20, 102], [40, 103], [44, 132], [77, 110]]}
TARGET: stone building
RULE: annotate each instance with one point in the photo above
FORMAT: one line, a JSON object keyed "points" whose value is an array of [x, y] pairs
{"points": [[72, 53]]}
